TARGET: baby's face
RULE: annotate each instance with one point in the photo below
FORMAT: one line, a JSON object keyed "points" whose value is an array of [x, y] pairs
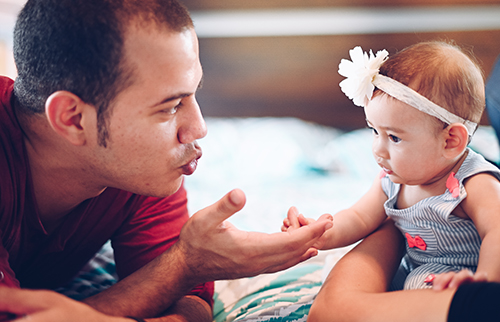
{"points": [[406, 142]]}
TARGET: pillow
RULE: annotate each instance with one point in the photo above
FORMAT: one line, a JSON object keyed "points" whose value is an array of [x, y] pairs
{"points": [[96, 276], [282, 296]]}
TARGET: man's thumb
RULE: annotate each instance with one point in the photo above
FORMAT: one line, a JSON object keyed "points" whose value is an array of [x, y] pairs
{"points": [[227, 206]]}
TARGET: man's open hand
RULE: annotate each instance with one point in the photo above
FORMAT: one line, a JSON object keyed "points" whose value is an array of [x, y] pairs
{"points": [[214, 249]]}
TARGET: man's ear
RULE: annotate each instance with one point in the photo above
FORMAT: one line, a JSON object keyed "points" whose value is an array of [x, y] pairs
{"points": [[64, 111], [457, 139]]}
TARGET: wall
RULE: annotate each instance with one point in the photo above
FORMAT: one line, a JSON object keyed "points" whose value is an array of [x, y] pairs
{"points": [[8, 13], [296, 75]]}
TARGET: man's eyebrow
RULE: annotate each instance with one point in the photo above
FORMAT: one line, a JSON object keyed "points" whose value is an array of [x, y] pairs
{"points": [[172, 98], [179, 96]]}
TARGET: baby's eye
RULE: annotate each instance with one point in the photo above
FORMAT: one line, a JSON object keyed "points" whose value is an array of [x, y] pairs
{"points": [[394, 138], [374, 131]]}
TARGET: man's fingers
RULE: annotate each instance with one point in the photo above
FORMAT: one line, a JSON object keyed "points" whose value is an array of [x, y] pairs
{"points": [[10, 301], [302, 239], [22, 302], [311, 252], [315, 229], [279, 251], [214, 215]]}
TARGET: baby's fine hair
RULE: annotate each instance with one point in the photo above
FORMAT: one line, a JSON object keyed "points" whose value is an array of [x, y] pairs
{"points": [[443, 73]]}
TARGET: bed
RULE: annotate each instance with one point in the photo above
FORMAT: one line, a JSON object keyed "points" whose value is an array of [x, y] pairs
{"points": [[280, 129], [278, 162]]}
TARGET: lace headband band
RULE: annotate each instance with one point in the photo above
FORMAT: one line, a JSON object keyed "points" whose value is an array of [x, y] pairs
{"points": [[363, 76], [420, 102]]}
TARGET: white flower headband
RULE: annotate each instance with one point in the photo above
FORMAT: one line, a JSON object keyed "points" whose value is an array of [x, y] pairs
{"points": [[363, 76]]}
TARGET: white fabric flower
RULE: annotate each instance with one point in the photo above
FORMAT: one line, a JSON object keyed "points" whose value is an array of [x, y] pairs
{"points": [[360, 73]]}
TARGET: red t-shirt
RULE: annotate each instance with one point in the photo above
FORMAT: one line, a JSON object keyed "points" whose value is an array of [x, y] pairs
{"points": [[139, 227]]}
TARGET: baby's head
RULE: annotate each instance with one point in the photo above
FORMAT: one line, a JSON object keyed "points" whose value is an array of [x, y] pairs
{"points": [[442, 73], [423, 104]]}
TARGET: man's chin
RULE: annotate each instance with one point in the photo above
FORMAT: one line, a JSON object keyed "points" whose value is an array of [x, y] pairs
{"points": [[161, 190], [171, 188]]}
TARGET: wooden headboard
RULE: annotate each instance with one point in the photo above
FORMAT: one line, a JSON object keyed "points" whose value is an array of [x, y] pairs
{"points": [[296, 75]]}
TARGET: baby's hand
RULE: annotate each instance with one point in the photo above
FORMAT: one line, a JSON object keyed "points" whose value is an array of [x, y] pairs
{"points": [[295, 220], [455, 279]]}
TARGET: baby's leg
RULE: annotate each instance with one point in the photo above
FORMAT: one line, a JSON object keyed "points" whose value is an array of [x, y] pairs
{"points": [[417, 277], [404, 269]]}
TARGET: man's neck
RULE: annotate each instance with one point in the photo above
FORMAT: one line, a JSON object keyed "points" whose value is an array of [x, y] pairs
{"points": [[59, 177]]}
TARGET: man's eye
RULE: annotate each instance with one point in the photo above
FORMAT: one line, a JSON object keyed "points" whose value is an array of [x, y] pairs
{"points": [[172, 110], [394, 138]]}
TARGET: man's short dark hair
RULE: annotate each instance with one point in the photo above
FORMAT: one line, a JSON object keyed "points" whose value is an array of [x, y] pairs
{"points": [[77, 46]]}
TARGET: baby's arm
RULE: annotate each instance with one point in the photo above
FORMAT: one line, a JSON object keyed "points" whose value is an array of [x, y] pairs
{"points": [[349, 225], [481, 206]]}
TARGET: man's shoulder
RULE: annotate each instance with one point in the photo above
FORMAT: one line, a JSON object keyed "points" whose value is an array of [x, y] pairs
{"points": [[8, 120], [6, 89], [13, 164], [6, 86]]}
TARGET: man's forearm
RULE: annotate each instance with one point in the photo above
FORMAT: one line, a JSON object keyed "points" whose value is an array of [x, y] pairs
{"points": [[148, 292]]}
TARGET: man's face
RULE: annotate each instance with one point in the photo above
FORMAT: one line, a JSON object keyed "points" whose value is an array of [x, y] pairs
{"points": [[156, 121]]}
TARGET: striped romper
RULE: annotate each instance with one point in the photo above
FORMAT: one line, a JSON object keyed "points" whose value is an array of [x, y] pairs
{"points": [[436, 240]]}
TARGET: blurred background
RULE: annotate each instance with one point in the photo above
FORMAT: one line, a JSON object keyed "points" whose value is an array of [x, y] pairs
{"points": [[280, 57]]}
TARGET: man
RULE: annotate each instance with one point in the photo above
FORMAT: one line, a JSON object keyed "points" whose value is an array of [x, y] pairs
{"points": [[98, 131]]}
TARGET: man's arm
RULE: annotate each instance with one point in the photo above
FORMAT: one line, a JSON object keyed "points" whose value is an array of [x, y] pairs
{"points": [[151, 227], [47, 306], [208, 249]]}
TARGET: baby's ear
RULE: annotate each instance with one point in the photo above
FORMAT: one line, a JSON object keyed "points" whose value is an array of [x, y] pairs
{"points": [[457, 139]]}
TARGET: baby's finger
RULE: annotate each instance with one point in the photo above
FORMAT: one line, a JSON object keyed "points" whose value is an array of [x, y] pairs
{"points": [[480, 277], [292, 217], [303, 220], [285, 226], [326, 216], [462, 277], [441, 281]]}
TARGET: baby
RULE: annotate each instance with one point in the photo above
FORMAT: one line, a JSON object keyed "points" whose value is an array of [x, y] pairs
{"points": [[423, 105]]}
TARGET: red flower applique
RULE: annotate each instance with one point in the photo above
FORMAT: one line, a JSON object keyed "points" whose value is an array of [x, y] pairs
{"points": [[453, 185], [416, 242]]}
